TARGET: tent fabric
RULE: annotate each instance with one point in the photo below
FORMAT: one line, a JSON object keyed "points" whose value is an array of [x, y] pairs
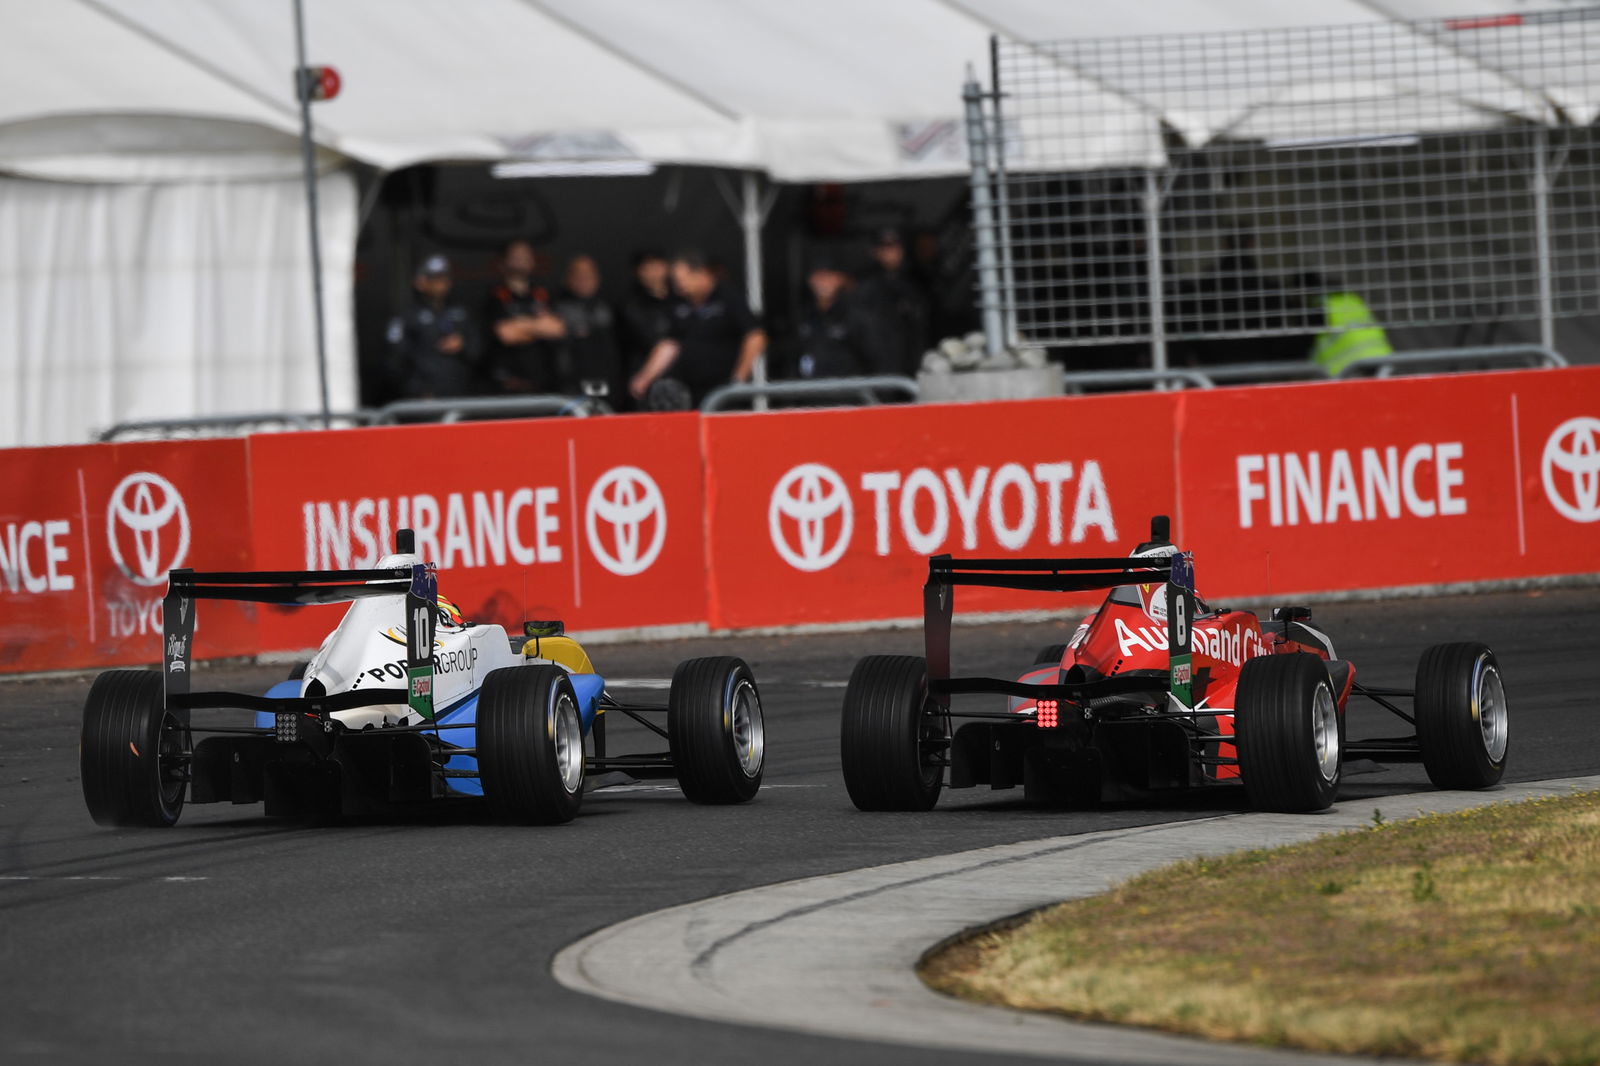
{"points": [[154, 259], [807, 90], [129, 301]]}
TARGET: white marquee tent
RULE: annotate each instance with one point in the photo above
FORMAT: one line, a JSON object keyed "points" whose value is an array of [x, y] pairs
{"points": [[154, 259]]}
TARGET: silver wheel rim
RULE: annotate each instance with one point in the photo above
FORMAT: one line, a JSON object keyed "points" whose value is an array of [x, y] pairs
{"points": [[748, 728], [1489, 708], [567, 733], [1325, 733]]}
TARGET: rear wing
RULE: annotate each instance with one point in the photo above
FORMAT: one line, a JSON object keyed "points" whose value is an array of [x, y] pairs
{"points": [[1056, 575], [418, 583]]}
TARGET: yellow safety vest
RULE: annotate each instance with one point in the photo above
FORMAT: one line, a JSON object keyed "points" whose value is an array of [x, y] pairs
{"points": [[1352, 333]]}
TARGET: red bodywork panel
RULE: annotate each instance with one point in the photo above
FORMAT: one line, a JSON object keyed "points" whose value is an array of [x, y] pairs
{"points": [[1125, 636]]}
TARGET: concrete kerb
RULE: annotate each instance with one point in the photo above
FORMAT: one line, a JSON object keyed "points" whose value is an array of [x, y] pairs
{"points": [[835, 955]]}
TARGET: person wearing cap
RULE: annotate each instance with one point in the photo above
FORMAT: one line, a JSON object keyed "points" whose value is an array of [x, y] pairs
{"points": [[714, 338], [434, 351], [527, 353], [896, 306], [832, 333]]}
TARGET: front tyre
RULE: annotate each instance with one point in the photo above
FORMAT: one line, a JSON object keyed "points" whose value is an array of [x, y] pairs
{"points": [[530, 745], [132, 752], [716, 730], [891, 741], [1289, 733], [1462, 725]]}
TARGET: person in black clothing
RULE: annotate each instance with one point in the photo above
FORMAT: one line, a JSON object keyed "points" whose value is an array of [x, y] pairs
{"points": [[714, 337], [433, 347], [646, 313], [832, 333], [527, 352], [897, 305], [592, 345]]}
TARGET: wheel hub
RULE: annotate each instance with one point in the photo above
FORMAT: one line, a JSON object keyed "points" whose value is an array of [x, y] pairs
{"points": [[568, 742], [749, 729], [1489, 708], [1325, 733]]}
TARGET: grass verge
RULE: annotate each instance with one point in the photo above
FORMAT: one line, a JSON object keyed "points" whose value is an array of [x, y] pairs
{"points": [[1469, 937]]}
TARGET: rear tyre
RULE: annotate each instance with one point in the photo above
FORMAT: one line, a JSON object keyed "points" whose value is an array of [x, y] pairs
{"points": [[530, 745], [131, 754], [715, 727], [1289, 733], [1462, 725], [891, 741]]}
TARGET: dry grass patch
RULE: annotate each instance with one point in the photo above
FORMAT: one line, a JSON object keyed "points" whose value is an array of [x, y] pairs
{"points": [[1471, 937]]}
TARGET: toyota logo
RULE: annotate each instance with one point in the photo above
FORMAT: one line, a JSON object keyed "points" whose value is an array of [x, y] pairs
{"points": [[1572, 469], [627, 500], [143, 506], [808, 497]]}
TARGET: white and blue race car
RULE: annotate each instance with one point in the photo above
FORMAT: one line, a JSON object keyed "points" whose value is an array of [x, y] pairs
{"points": [[404, 703]]}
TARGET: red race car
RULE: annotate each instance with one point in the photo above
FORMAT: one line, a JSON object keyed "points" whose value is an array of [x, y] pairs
{"points": [[1157, 690]]}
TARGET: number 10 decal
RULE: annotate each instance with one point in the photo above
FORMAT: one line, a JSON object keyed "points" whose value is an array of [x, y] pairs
{"points": [[422, 616]]}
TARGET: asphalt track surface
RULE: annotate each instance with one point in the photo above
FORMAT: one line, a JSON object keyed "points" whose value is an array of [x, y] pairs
{"points": [[429, 938]]}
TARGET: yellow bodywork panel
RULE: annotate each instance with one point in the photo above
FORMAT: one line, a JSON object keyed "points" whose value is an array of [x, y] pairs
{"points": [[563, 650]]}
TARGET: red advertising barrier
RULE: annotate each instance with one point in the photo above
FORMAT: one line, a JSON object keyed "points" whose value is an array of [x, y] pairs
{"points": [[87, 535], [1385, 484], [829, 516], [743, 520], [594, 521]]}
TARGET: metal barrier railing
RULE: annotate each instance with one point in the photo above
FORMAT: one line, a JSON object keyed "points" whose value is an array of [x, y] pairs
{"points": [[1493, 357], [1195, 379], [455, 410], [1251, 373], [864, 390], [230, 425]]}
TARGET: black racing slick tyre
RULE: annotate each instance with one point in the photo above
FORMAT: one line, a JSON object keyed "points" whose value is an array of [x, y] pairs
{"points": [[1289, 733], [132, 754], [716, 730], [892, 743], [530, 745], [1462, 726]]}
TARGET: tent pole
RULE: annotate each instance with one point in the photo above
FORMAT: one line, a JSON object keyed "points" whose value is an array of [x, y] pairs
{"points": [[1002, 194], [983, 220], [751, 216], [1541, 219], [1152, 240], [308, 156]]}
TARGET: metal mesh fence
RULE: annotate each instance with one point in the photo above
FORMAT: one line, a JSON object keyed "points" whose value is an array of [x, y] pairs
{"points": [[1178, 190]]}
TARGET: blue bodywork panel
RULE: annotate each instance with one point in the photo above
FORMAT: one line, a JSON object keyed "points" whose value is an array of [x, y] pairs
{"points": [[586, 687]]}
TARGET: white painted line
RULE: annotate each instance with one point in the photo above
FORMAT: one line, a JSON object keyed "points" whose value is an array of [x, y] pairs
{"points": [[666, 682], [1516, 489], [95, 877], [88, 560], [835, 955], [613, 789]]}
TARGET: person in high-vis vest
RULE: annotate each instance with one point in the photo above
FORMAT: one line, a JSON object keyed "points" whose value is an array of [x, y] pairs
{"points": [[1351, 333]]}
